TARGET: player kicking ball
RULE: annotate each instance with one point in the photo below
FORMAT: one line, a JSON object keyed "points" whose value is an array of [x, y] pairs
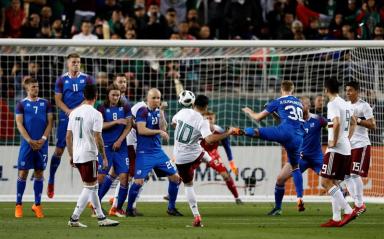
{"points": [[190, 128]]}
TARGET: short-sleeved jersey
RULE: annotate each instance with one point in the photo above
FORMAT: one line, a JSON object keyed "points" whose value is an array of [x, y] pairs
{"points": [[72, 89], [362, 110], [190, 127], [338, 107], [212, 149], [311, 146], [35, 118], [83, 122], [110, 114], [290, 111], [131, 137]]}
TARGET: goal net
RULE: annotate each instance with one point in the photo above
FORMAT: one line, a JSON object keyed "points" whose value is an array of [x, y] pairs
{"points": [[233, 74]]}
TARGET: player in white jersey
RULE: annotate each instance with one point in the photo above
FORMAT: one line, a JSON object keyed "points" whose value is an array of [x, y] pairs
{"points": [[337, 158], [84, 142], [190, 128], [361, 145]]}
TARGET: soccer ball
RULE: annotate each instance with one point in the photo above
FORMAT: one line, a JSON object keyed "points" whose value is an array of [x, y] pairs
{"points": [[186, 98]]}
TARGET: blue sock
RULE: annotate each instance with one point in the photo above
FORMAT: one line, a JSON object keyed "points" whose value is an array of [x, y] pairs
{"points": [[279, 194], [298, 181], [173, 189], [38, 188], [55, 162], [123, 192], [20, 187], [105, 185], [133, 191]]}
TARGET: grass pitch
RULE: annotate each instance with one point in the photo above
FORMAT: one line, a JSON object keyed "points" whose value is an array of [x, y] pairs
{"points": [[221, 220]]}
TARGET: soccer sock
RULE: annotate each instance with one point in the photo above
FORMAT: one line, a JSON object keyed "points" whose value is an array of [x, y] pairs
{"points": [[336, 210], [279, 194], [351, 187], [55, 162], [123, 192], [340, 200], [95, 200], [298, 181], [133, 191], [20, 188], [232, 187], [138, 196], [105, 185], [191, 197], [116, 195], [38, 189], [173, 189], [81, 203], [359, 186]]}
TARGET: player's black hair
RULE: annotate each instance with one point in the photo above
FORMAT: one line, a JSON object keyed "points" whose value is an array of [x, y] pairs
{"points": [[90, 92], [332, 85], [354, 84], [201, 101]]}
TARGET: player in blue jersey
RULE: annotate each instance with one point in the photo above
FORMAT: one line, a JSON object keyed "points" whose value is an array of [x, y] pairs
{"points": [[151, 128], [34, 120], [68, 95], [289, 133], [117, 124], [311, 155]]}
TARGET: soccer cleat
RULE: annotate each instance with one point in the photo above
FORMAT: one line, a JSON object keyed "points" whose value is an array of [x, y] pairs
{"points": [[105, 222], [19, 211], [51, 190], [331, 223], [238, 201], [130, 213], [76, 223], [348, 218], [300, 205], [120, 213], [237, 132], [360, 210], [111, 200], [38, 210], [166, 197], [275, 212], [197, 222], [112, 211], [174, 212]]}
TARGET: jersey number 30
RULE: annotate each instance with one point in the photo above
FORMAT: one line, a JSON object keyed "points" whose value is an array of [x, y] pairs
{"points": [[295, 113]]}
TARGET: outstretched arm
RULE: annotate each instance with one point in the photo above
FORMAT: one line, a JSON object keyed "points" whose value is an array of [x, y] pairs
{"points": [[256, 116]]}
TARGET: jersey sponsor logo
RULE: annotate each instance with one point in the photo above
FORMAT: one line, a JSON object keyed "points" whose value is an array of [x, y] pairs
{"points": [[312, 125], [108, 110], [28, 104], [42, 104], [138, 172], [120, 108], [66, 82], [81, 81]]}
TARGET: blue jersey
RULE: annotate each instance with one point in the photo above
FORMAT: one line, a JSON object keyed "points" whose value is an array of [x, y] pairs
{"points": [[311, 147], [152, 143], [35, 118], [290, 111], [110, 114], [72, 89]]}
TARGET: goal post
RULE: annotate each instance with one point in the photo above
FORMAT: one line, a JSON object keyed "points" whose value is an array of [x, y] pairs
{"points": [[233, 74]]}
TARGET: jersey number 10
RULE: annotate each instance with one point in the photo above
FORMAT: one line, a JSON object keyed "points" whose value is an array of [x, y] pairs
{"points": [[80, 120], [183, 132]]}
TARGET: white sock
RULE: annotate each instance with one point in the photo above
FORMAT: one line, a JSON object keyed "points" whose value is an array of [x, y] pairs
{"points": [[336, 209], [81, 203], [191, 197], [351, 187], [116, 195], [94, 198], [359, 186], [338, 195]]}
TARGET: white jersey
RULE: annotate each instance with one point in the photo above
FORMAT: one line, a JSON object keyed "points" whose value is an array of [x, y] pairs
{"points": [[83, 122], [360, 138], [131, 137], [342, 109], [190, 128]]}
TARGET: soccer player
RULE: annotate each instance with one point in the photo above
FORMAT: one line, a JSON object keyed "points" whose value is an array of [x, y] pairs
{"points": [[151, 126], [68, 95], [311, 155], [117, 124], [84, 142], [121, 81], [190, 127], [360, 144], [337, 157], [289, 133], [212, 150], [34, 120]]}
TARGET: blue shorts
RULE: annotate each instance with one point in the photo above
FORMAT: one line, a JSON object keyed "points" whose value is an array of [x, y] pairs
{"points": [[29, 159], [61, 133], [314, 163], [118, 159], [146, 162], [287, 137]]}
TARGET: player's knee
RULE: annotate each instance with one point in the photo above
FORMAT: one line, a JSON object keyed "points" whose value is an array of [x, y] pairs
{"points": [[123, 177], [281, 180], [175, 178], [326, 183], [23, 174], [225, 176], [38, 174], [59, 152]]}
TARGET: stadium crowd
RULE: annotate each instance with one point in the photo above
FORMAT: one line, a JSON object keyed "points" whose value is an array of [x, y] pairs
{"points": [[191, 19]]}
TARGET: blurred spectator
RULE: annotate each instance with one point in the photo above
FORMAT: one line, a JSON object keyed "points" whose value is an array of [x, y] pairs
{"points": [[347, 32], [351, 12], [102, 83], [140, 20], [305, 14], [130, 34], [15, 17], [105, 11], [184, 31], [57, 29], [7, 121], [31, 28], [369, 17], [335, 26], [155, 23], [45, 31], [378, 33], [284, 31], [180, 7], [84, 11], [205, 33], [46, 14], [133, 87], [193, 25], [297, 30], [171, 22], [85, 34], [115, 23], [275, 17], [323, 31]]}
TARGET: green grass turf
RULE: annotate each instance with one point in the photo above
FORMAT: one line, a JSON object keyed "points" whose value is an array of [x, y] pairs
{"points": [[221, 220]]}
